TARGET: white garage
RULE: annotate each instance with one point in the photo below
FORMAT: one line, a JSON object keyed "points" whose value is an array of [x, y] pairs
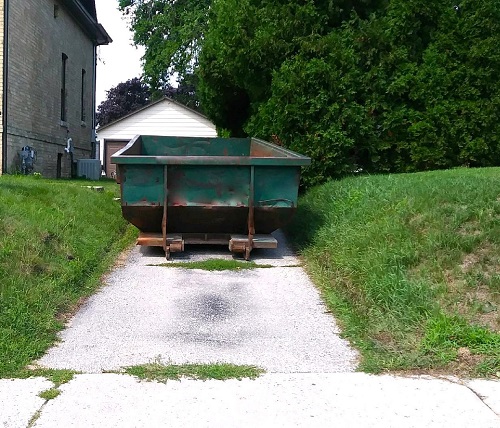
{"points": [[163, 117]]}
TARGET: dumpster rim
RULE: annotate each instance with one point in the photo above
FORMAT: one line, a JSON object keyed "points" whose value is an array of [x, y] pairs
{"points": [[291, 158]]}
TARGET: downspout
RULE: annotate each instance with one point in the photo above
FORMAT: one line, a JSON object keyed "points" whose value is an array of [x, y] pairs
{"points": [[94, 80], [5, 76]]}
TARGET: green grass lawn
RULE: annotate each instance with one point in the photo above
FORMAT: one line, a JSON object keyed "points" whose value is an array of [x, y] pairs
{"points": [[410, 265], [56, 239]]}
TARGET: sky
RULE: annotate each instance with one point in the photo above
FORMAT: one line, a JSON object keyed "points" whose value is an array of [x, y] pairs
{"points": [[120, 60]]}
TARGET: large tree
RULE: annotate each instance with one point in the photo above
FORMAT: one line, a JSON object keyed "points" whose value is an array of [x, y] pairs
{"points": [[245, 42], [229, 47], [172, 32], [122, 99], [411, 88], [377, 85]]}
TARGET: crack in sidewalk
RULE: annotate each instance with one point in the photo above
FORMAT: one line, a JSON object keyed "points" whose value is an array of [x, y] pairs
{"points": [[463, 383], [481, 398], [36, 415]]}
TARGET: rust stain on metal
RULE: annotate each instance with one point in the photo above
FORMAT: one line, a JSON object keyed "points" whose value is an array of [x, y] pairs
{"points": [[262, 152]]}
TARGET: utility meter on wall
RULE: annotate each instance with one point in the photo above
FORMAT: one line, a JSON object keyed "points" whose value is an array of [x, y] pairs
{"points": [[27, 156]]}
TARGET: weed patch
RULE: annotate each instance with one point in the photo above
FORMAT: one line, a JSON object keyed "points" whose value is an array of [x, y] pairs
{"points": [[159, 372], [57, 376], [49, 394], [215, 265]]}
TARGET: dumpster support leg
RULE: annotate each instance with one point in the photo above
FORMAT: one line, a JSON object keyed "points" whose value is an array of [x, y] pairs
{"points": [[166, 247], [251, 212]]}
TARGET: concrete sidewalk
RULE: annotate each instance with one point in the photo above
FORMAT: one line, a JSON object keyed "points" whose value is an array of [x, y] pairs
{"points": [[273, 400]]}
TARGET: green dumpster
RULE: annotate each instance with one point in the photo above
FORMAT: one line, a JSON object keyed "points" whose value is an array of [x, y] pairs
{"points": [[187, 190]]}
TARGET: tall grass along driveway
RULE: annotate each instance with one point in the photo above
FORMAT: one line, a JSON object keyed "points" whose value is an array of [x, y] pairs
{"points": [[56, 239], [410, 264]]}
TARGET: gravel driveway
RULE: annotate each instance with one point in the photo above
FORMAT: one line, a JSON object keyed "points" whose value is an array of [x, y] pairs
{"points": [[272, 318]]}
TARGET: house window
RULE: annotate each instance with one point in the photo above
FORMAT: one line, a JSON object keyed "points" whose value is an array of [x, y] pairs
{"points": [[82, 99], [63, 88]]}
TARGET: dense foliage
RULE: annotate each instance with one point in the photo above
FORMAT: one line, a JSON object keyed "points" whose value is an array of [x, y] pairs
{"points": [[185, 92], [172, 33], [373, 85], [122, 99]]}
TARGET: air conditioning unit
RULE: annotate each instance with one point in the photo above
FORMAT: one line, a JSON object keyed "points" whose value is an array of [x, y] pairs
{"points": [[88, 168]]}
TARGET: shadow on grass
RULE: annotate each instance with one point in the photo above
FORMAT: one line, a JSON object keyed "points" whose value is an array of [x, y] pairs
{"points": [[304, 226]]}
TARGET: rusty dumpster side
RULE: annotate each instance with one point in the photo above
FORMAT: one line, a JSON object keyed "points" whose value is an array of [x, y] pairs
{"points": [[224, 186]]}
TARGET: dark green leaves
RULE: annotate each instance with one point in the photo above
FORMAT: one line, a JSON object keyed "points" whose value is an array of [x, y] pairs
{"points": [[366, 85], [172, 33]]}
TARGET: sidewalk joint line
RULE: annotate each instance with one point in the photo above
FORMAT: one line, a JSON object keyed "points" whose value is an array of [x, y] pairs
{"points": [[36, 415], [463, 383], [481, 398]]}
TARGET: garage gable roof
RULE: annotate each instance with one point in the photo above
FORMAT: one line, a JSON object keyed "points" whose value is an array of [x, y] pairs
{"points": [[151, 105]]}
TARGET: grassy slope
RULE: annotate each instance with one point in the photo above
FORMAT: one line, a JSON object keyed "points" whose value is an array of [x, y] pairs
{"points": [[410, 264], [56, 239]]}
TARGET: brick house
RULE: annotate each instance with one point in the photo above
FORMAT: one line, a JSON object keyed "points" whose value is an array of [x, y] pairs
{"points": [[48, 51]]}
